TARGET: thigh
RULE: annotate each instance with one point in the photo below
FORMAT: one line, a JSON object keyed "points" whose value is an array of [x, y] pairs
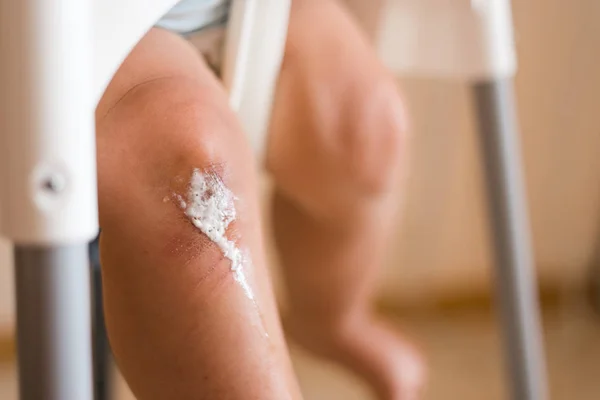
{"points": [[180, 323]]}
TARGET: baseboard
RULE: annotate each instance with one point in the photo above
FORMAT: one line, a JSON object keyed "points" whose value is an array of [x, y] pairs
{"points": [[550, 296], [7, 345]]}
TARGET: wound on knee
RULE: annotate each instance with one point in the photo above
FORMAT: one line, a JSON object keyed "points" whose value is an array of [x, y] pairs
{"points": [[210, 207]]}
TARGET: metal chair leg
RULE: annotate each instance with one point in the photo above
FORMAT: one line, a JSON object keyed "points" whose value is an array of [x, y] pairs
{"points": [[102, 354], [53, 322], [514, 266]]}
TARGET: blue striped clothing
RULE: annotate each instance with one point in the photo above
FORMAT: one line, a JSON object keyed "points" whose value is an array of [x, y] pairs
{"points": [[190, 16]]}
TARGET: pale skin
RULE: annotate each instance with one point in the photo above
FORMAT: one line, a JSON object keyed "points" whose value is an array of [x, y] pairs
{"points": [[179, 324]]}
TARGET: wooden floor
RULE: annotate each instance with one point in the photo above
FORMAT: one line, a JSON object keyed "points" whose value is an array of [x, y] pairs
{"points": [[464, 356]]}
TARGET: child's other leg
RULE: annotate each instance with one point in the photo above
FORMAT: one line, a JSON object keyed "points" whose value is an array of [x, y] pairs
{"points": [[336, 152]]}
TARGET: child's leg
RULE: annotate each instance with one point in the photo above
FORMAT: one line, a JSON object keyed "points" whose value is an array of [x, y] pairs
{"points": [[336, 152], [179, 323]]}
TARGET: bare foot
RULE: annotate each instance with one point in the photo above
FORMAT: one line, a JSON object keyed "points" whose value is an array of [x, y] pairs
{"points": [[371, 349]]}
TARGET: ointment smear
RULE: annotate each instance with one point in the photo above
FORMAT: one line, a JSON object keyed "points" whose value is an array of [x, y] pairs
{"points": [[210, 206]]}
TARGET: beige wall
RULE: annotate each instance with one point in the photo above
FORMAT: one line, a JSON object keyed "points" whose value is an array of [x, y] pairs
{"points": [[441, 244]]}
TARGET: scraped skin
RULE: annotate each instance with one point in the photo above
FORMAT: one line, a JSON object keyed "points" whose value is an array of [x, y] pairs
{"points": [[180, 323], [211, 208], [337, 154]]}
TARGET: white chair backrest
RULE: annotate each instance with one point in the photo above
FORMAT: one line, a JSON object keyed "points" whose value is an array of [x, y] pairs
{"points": [[254, 50], [461, 39]]}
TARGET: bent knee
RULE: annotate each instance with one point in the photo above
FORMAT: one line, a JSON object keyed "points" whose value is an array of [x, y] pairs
{"points": [[148, 148], [159, 130], [372, 142], [339, 163]]}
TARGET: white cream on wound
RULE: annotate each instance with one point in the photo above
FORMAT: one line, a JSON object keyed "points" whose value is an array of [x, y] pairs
{"points": [[210, 206]]}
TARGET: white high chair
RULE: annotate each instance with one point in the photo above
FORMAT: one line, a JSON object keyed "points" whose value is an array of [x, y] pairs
{"points": [[56, 58]]}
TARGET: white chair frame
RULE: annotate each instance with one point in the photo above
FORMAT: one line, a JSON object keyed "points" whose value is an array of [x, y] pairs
{"points": [[56, 59]]}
